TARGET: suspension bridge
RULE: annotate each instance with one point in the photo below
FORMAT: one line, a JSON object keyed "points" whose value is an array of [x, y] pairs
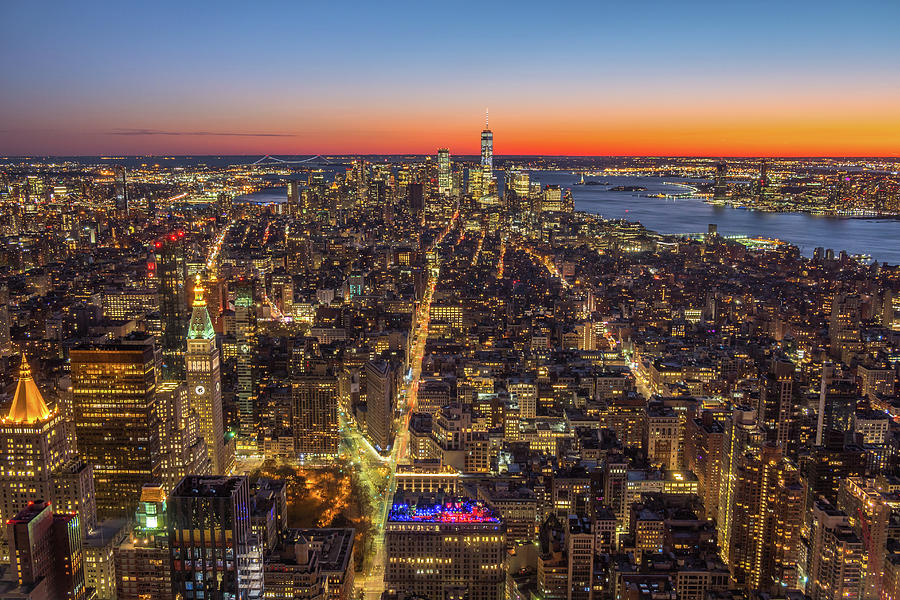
{"points": [[273, 161]]}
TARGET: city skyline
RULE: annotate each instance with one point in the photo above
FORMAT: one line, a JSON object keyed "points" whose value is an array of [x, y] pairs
{"points": [[810, 79]]}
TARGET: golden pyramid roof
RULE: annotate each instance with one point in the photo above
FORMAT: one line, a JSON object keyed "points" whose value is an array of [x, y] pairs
{"points": [[28, 405]]}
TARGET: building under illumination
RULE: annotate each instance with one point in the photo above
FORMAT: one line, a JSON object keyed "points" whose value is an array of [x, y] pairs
{"points": [[142, 559], [445, 548], [36, 461], [213, 552], [315, 420], [47, 559], [116, 420], [205, 382], [443, 159]]}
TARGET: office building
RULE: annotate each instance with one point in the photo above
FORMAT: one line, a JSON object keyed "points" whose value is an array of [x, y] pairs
{"points": [[244, 390], [171, 274], [443, 160], [764, 535], [741, 434], [182, 450], [37, 461], [662, 436], [380, 404], [315, 425], [720, 188], [213, 552], [99, 557], [142, 561], [487, 156], [117, 420], [444, 548], [837, 556], [46, 555], [703, 455]]}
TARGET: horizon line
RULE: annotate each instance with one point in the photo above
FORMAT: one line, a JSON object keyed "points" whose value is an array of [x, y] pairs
{"points": [[108, 156]]}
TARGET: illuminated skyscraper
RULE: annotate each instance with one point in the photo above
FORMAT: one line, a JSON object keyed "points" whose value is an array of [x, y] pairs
{"points": [[121, 190], [449, 549], [837, 556], [182, 449], [871, 508], [764, 535], [171, 272], [443, 159], [36, 461], [775, 410], [116, 420], [212, 549], [243, 304], [205, 382], [315, 419], [47, 558], [293, 197], [703, 456], [487, 156], [380, 404], [741, 434]]}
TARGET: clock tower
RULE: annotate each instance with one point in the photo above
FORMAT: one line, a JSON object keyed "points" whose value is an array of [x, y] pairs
{"points": [[205, 382]]}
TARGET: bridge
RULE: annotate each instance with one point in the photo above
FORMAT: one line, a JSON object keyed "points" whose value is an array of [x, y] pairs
{"points": [[273, 161]]}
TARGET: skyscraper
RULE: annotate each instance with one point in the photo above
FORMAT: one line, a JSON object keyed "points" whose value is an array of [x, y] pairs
{"points": [[487, 156], [703, 456], [36, 461], [182, 448], [775, 410], [380, 404], [205, 382], [243, 303], [443, 160], [445, 549], [837, 556], [212, 550], [764, 536], [293, 197], [315, 419], [46, 554], [741, 434], [121, 190], [116, 420], [171, 273], [720, 190]]}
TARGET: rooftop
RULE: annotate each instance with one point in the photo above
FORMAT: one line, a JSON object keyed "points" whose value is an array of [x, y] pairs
{"points": [[450, 511]]}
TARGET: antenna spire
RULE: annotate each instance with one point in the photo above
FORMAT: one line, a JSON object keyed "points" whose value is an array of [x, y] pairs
{"points": [[486, 119]]}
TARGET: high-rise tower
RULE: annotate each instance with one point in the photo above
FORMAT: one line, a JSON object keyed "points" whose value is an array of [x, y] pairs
{"points": [[443, 159], [243, 304], [171, 270], [487, 155], [117, 420], [205, 381], [720, 193], [37, 462], [213, 551]]}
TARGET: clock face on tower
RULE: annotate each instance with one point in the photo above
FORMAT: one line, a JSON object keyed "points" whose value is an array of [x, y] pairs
{"points": [[199, 390]]}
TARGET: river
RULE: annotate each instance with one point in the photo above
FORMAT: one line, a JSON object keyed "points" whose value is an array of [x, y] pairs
{"points": [[879, 238]]}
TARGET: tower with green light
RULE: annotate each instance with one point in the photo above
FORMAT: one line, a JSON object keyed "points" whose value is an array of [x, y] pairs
{"points": [[203, 370]]}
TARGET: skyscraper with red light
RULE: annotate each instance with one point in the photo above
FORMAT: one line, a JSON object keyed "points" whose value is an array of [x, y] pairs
{"points": [[171, 274]]}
